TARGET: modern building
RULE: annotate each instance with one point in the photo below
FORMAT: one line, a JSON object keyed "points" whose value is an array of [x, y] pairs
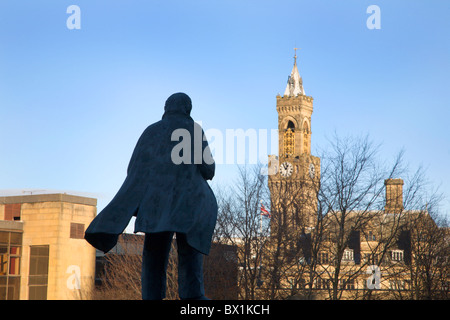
{"points": [[43, 254]]}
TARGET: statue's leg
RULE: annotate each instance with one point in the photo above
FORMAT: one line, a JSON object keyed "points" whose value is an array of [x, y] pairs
{"points": [[190, 270], [155, 257]]}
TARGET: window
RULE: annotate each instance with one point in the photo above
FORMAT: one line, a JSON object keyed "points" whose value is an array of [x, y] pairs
{"points": [[322, 258], [14, 260], [350, 284], [322, 283], [370, 236], [305, 138], [347, 284], [10, 253], [371, 259], [397, 284], [38, 279], [348, 255], [397, 255], [3, 260], [289, 142], [12, 211], [77, 230]]}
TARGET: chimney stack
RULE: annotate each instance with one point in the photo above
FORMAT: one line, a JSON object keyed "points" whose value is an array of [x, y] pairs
{"points": [[394, 195]]}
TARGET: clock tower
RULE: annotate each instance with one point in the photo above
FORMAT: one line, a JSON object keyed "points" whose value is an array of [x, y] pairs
{"points": [[294, 172]]}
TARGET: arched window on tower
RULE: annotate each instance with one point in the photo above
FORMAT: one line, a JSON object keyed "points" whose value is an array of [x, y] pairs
{"points": [[289, 139], [306, 137]]}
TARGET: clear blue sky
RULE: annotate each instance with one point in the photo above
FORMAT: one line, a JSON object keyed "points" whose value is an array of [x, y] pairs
{"points": [[74, 102]]}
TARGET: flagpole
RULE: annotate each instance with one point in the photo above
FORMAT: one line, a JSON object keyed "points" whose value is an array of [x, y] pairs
{"points": [[260, 222], [260, 242]]}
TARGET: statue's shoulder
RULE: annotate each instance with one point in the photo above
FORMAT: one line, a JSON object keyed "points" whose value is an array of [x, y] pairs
{"points": [[154, 126]]}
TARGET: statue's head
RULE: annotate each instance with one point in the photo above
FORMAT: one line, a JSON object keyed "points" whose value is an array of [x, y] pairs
{"points": [[178, 103]]}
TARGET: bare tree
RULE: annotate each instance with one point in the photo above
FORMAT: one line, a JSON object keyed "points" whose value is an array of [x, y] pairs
{"points": [[331, 236], [366, 220], [122, 267], [350, 198], [221, 272], [287, 253], [239, 224], [430, 268], [121, 275]]}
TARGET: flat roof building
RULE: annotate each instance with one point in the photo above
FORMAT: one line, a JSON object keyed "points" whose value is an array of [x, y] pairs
{"points": [[43, 254]]}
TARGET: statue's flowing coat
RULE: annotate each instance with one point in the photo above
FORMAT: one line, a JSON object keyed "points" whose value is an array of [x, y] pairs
{"points": [[163, 195]]}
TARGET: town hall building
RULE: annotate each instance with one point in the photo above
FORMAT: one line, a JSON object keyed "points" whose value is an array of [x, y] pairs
{"points": [[379, 256]]}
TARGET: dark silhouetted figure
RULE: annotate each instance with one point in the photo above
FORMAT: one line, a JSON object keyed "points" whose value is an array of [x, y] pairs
{"points": [[166, 190]]}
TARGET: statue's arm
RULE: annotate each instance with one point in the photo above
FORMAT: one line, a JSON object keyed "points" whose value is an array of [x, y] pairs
{"points": [[208, 166], [136, 152]]}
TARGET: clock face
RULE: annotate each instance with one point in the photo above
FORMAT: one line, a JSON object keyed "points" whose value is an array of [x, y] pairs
{"points": [[312, 170], [286, 169]]}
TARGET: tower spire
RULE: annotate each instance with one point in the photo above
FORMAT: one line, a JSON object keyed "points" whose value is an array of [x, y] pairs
{"points": [[294, 84], [295, 56]]}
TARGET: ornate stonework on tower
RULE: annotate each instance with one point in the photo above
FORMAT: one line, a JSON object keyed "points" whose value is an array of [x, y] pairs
{"points": [[296, 169]]}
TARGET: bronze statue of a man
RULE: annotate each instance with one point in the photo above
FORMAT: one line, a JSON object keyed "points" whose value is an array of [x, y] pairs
{"points": [[167, 191]]}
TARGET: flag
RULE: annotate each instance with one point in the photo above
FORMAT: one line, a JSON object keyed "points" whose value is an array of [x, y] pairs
{"points": [[264, 212]]}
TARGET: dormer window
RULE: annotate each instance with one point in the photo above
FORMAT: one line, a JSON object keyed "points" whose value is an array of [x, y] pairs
{"points": [[348, 255], [397, 255]]}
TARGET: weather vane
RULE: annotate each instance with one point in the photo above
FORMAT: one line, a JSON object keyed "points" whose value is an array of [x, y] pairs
{"points": [[295, 56]]}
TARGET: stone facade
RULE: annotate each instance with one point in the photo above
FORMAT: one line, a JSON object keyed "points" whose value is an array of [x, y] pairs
{"points": [[295, 168], [55, 260]]}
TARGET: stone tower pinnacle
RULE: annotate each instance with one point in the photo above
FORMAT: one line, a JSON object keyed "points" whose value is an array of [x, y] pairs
{"points": [[294, 84]]}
